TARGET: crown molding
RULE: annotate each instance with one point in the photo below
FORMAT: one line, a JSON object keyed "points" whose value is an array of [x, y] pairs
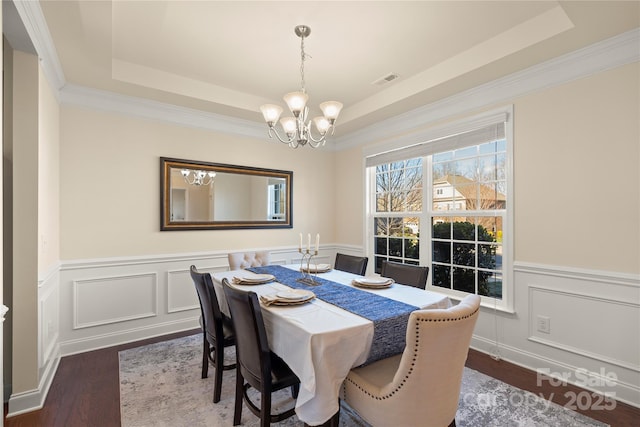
{"points": [[154, 110], [36, 26], [607, 54]]}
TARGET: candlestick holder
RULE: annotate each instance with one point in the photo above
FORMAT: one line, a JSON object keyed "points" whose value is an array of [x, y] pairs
{"points": [[307, 278]]}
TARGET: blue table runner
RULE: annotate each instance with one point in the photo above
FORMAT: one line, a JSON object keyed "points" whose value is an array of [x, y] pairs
{"points": [[389, 316]]}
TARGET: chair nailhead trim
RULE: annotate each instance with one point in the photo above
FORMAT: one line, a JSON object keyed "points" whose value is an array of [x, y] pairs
{"points": [[413, 361]]}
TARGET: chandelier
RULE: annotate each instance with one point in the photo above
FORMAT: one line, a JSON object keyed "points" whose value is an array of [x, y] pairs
{"points": [[297, 128], [198, 177]]}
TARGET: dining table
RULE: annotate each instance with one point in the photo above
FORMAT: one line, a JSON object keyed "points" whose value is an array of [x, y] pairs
{"points": [[319, 340]]}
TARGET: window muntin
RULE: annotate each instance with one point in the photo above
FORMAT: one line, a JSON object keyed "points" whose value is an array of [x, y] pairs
{"points": [[466, 255], [396, 239]]}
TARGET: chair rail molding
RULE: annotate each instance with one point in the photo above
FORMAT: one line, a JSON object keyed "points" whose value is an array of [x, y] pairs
{"points": [[612, 277]]}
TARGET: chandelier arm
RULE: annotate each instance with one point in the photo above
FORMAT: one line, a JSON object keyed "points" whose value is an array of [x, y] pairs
{"points": [[315, 144], [320, 139], [274, 131]]}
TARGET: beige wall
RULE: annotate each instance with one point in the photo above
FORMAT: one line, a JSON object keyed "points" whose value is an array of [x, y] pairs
{"points": [[576, 175], [25, 222], [577, 179], [48, 178], [575, 162], [32, 156], [349, 191], [7, 214], [110, 186]]}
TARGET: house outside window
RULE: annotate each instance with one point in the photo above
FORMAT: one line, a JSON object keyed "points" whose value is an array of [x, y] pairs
{"points": [[461, 225]]}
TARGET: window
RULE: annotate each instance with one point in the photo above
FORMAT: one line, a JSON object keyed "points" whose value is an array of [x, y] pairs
{"points": [[398, 204], [466, 239], [276, 200], [460, 225]]}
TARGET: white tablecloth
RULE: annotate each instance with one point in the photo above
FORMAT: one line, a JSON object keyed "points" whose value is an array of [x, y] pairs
{"points": [[321, 342]]}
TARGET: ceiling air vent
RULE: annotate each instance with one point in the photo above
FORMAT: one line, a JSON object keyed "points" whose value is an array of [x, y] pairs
{"points": [[385, 79]]}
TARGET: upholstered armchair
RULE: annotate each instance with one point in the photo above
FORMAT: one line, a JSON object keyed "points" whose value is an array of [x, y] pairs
{"points": [[242, 260], [420, 387]]}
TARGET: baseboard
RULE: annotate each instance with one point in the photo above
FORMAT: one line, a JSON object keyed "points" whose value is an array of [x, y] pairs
{"points": [[97, 342], [20, 403], [624, 392]]}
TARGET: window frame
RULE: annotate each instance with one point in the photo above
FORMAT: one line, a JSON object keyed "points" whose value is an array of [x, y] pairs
{"points": [[431, 139]]}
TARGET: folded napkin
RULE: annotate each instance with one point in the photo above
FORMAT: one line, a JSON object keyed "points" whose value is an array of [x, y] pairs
{"points": [[259, 279]]}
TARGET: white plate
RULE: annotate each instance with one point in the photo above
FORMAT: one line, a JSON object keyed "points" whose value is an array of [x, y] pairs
{"points": [[362, 285], [295, 294], [374, 280]]}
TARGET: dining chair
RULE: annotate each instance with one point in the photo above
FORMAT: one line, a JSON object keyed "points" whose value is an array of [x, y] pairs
{"points": [[351, 264], [430, 370], [258, 367], [217, 330], [242, 260], [405, 274]]}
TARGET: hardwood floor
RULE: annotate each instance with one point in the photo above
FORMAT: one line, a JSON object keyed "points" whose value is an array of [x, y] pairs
{"points": [[622, 415], [86, 390]]}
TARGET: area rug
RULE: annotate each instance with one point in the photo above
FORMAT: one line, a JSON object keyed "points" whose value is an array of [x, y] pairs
{"points": [[160, 385]]}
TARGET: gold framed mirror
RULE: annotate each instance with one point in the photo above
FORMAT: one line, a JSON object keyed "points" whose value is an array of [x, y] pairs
{"points": [[198, 195]]}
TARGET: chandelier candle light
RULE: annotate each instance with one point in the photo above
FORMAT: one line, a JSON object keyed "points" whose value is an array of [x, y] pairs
{"points": [[297, 128], [307, 254]]}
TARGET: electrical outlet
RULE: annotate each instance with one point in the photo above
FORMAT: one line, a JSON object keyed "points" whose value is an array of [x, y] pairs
{"points": [[544, 324]]}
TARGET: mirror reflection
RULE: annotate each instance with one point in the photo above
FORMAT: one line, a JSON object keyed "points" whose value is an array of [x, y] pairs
{"points": [[201, 195]]}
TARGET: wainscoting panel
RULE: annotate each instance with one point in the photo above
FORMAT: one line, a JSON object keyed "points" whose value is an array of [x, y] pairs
{"points": [[105, 300], [593, 336], [575, 322], [181, 293], [113, 301]]}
